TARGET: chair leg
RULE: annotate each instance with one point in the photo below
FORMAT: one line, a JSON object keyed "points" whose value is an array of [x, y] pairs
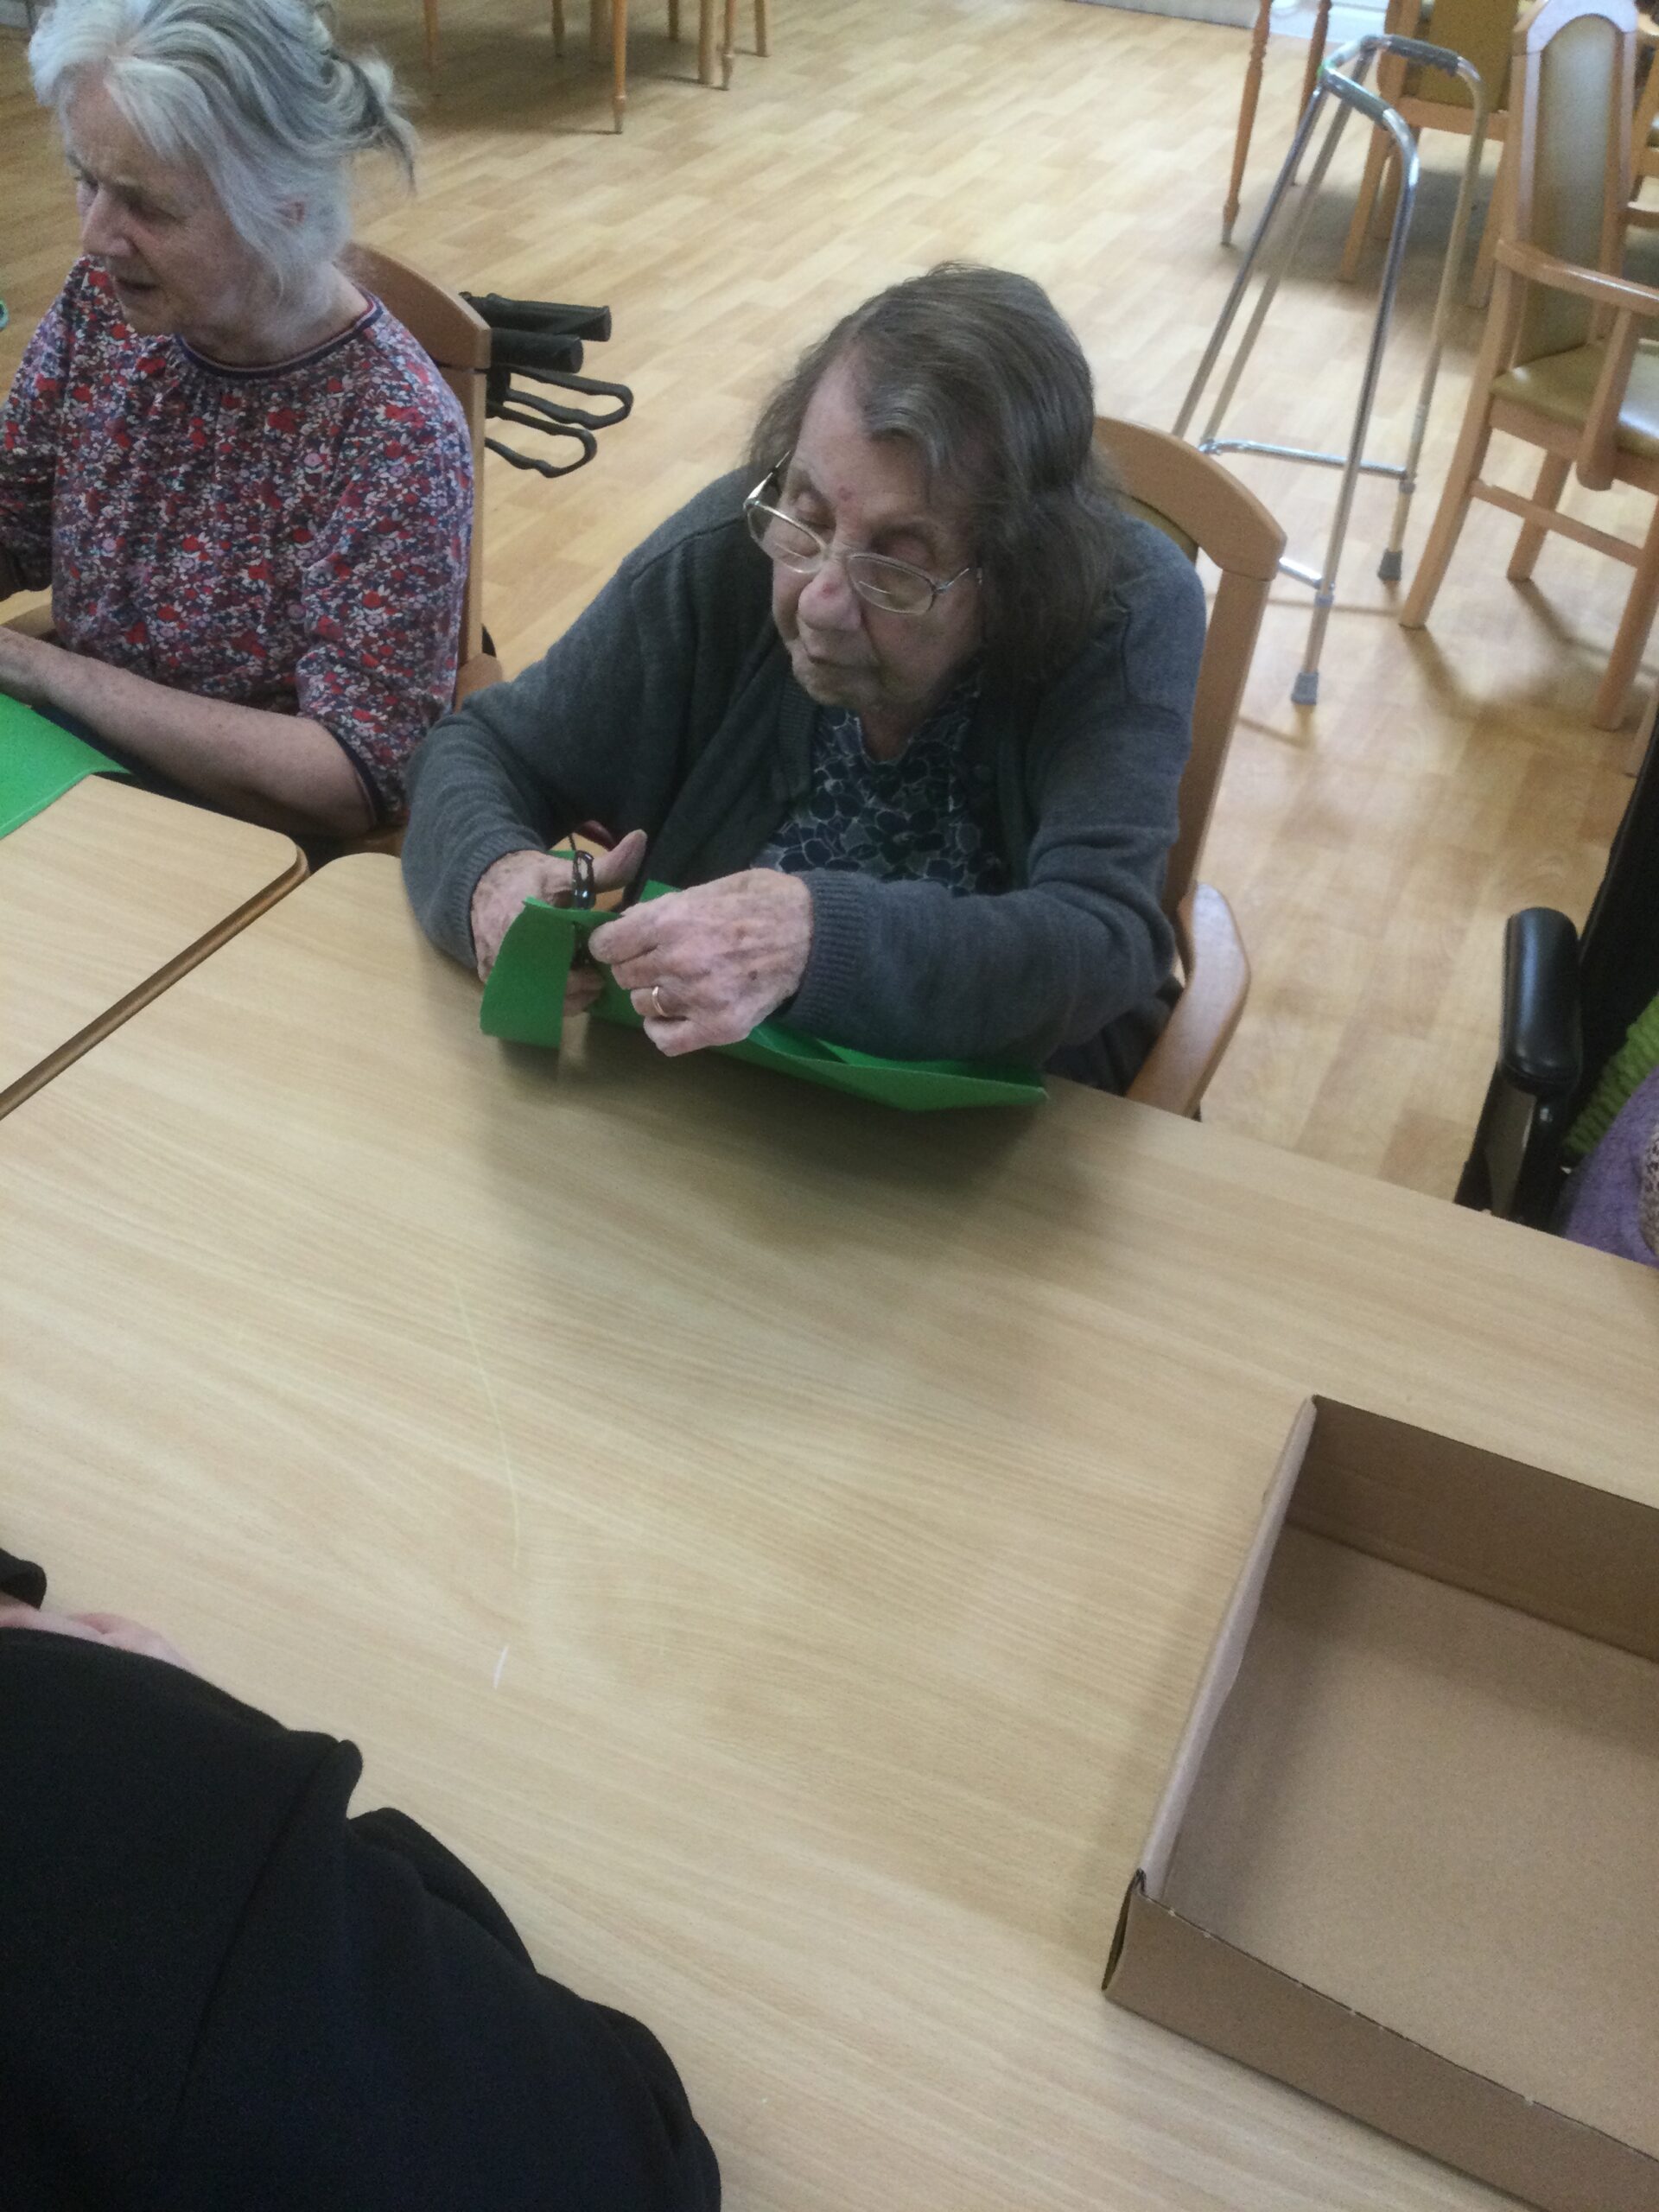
{"points": [[1634, 624], [706, 42], [1383, 220], [763, 28], [1473, 441], [619, 62], [431, 34], [674, 20], [558, 30], [1246, 105], [729, 50], [1552, 478], [1377, 154]]}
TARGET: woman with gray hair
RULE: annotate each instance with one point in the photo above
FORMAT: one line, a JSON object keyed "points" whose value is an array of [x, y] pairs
{"points": [[247, 487], [901, 707]]}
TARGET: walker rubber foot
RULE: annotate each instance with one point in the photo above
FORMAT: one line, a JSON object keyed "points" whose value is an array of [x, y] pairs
{"points": [[1305, 691], [1388, 568]]}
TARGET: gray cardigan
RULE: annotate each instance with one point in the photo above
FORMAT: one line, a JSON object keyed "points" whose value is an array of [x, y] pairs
{"points": [[670, 706]]}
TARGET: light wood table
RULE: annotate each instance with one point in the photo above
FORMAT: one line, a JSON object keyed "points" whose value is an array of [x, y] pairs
{"points": [[106, 897], [773, 1538]]}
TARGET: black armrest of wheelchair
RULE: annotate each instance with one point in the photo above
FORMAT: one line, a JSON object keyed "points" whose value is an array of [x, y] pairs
{"points": [[1541, 1049]]}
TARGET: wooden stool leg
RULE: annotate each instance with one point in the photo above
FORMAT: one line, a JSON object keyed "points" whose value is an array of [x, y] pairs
{"points": [[1638, 619], [618, 61], [762, 28], [706, 42], [1251, 93], [674, 20], [1552, 476], [728, 52], [431, 34], [558, 30], [1315, 54]]}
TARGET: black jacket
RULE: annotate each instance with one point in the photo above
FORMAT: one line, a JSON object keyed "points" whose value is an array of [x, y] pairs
{"points": [[216, 1990]]}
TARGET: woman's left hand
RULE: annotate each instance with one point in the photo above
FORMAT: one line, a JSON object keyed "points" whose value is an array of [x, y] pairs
{"points": [[704, 966], [26, 667]]}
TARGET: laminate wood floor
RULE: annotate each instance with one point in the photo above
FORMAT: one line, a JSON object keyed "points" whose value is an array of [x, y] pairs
{"points": [[1372, 845]]}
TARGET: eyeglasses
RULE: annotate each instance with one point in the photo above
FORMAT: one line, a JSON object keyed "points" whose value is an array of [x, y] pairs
{"points": [[893, 586]]}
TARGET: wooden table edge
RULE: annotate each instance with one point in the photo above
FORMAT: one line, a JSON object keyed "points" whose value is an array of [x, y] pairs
{"points": [[102, 1024]]}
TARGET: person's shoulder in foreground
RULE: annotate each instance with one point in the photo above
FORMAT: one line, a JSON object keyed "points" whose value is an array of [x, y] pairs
{"points": [[217, 1989]]}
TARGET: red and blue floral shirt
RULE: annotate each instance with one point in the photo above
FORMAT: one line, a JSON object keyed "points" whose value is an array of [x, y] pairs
{"points": [[293, 537]]}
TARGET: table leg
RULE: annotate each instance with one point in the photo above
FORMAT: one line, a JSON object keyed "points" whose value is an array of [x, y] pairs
{"points": [[431, 34], [706, 42], [1246, 117], [728, 52], [762, 28], [558, 30], [618, 61], [674, 20]]}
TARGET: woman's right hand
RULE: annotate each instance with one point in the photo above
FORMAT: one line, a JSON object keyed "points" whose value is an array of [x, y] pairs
{"points": [[505, 886]]}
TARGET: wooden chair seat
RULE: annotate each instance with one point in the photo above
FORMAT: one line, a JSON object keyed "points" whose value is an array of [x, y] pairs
{"points": [[1561, 387]]}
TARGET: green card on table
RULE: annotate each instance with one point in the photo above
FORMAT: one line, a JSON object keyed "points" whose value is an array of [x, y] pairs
{"points": [[524, 1002], [39, 761]]}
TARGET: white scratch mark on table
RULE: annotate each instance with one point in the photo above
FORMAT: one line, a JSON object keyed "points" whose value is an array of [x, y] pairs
{"points": [[500, 1428], [495, 1680]]}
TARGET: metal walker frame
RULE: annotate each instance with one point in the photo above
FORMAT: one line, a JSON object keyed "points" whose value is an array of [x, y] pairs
{"points": [[1352, 94]]}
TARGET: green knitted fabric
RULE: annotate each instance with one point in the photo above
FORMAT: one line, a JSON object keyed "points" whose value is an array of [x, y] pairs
{"points": [[1636, 1058]]}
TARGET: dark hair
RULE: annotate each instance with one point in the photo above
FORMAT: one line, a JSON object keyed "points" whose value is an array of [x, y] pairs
{"points": [[977, 368]]}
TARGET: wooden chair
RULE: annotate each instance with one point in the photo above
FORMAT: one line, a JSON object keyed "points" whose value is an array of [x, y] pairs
{"points": [[457, 337], [619, 40], [1561, 366], [1200, 503], [1481, 31]]}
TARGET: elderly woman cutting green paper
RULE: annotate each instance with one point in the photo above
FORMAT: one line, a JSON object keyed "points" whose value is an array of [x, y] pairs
{"points": [[901, 710]]}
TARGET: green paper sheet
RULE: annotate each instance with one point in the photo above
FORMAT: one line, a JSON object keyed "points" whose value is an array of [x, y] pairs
{"points": [[524, 1002], [39, 761]]}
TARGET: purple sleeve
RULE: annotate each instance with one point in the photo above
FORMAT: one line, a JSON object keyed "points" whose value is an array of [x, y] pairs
{"points": [[382, 591], [29, 425]]}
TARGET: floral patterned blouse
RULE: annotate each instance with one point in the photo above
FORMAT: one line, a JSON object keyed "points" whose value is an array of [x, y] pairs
{"points": [[929, 816], [292, 537]]}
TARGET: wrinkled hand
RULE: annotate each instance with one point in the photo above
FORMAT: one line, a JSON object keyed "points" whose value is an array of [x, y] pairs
{"points": [[704, 966], [505, 886], [95, 1628], [28, 666]]}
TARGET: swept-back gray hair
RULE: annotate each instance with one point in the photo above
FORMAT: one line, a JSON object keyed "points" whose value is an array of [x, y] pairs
{"points": [[255, 93], [980, 371]]}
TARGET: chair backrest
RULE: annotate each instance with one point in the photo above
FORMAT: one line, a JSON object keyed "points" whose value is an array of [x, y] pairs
{"points": [[1204, 508], [1570, 116], [457, 338], [1482, 32]]}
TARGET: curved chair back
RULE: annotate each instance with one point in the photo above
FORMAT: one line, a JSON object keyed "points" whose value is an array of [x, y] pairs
{"points": [[1575, 64], [457, 338], [1204, 508]]}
